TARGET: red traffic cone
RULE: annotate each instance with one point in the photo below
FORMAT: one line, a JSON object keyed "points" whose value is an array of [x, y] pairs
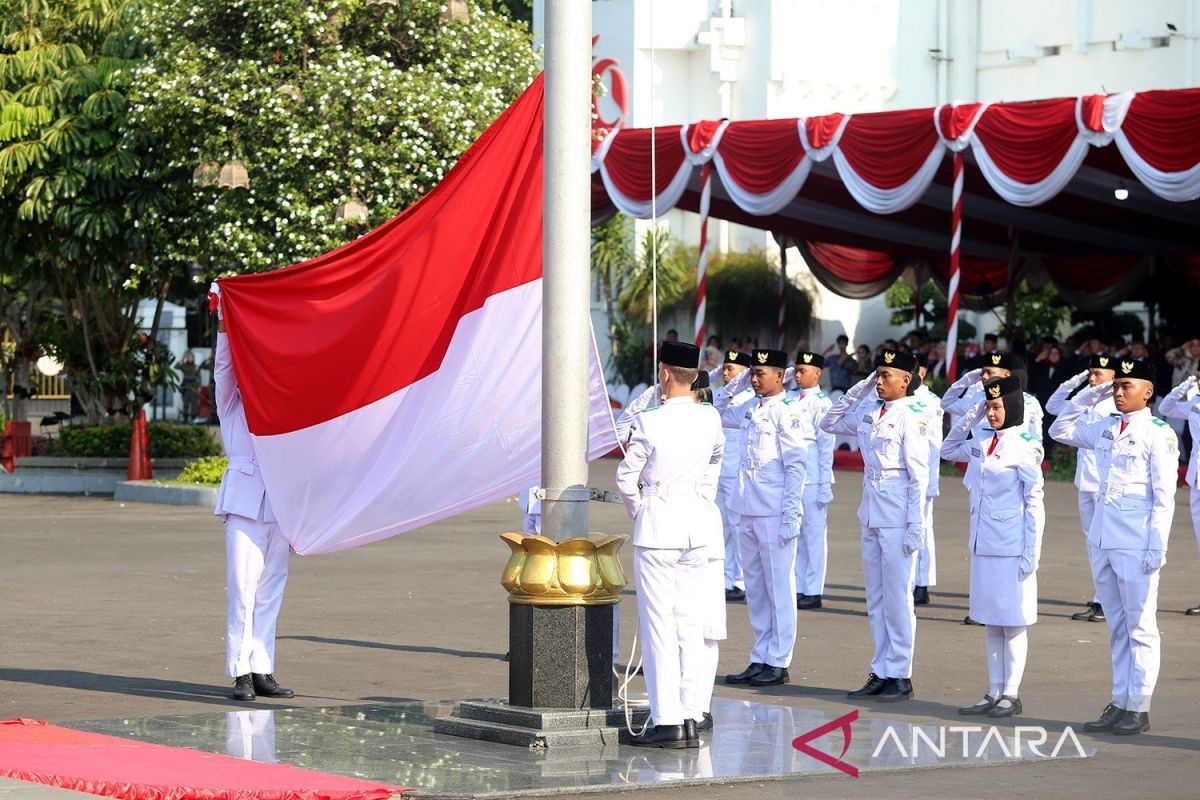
{"points": [[148, 466], [139, 460]]}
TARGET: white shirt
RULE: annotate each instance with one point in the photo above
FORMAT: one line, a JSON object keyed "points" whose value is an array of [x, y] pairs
{"points": [[668, 478], [1183, 402], [242, 489], [893, 438], [819, 469], [1087, 474], [1008, 513], [932, 405], [1138, 469]]}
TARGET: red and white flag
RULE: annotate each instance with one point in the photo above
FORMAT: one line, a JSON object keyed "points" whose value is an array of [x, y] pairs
{"points": [[397, 380]]}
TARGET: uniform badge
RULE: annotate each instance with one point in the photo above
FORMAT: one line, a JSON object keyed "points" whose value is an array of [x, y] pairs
{"points": [[976, 452], [889, 358], [994, 391], [1107, 435], [1103, 360], [1127, 367], [996, 358], [795, 423], [808, 358]]}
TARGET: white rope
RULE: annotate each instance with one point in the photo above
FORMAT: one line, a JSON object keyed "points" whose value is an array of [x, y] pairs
{"points": [[630, 669]]}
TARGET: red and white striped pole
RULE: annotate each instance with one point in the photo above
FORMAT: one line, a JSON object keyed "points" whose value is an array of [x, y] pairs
{"points": [[782, 333], [702, 260], [952, 289]]}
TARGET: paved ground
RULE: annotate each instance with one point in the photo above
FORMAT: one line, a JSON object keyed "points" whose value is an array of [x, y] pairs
{"points": [[110, 610]]}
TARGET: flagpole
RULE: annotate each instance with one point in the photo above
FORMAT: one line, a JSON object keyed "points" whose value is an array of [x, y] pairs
{"points": [[566, 252]]}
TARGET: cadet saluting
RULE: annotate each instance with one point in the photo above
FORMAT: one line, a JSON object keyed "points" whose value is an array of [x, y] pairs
{"points": [[767, 498], [1137, 456], [812, 548], [893, 436], [1007, 520], [668, 480]]}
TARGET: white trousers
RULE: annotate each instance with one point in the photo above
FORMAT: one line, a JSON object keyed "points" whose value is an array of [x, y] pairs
{"points": [[812, 548], [770, 575], [888, 576], [927, 556], [256, 560], [1194, 500], [1130, 601], [1087, 510], [1007, 651], [671, 627], [250, 735], [729, 527], [697, 696]]}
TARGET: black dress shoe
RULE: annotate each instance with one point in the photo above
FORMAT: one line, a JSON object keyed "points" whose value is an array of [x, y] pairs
{"points": [[745, 675], [897, 689], [770, 676], [920, 595], [874, 685], [1093, 613], [706, 723], [671, 737], [808, 601], [968, 621], [1133, 722], [243, 687], [1109, 717], [1193, 611], [735, 594], [982, 707], [265, 685], [1008, 706], [690, 733]]}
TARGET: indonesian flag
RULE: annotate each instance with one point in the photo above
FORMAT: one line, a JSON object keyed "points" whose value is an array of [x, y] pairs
{"points": [[397, 380]]}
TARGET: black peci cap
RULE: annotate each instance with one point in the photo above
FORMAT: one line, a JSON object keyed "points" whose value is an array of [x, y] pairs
{"points": [[679, 354], [735, 357], [898, 360], [810, 359], [1135, 368], [1103, 362], [701, 381], [770, 358]]}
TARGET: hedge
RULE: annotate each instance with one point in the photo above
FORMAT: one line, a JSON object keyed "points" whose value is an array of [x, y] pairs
{"points": [[112, 441], [204, 470]]}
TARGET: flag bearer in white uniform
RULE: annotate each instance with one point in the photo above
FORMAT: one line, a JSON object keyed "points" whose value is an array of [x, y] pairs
{"points": [[927, 558], [735, 364], [893, 437], [812, 548], [771, 479], [1137, 456], [1183, 402], [255, 551], [967, 392], [1100, 370], [1008, 517], [668, 480]]}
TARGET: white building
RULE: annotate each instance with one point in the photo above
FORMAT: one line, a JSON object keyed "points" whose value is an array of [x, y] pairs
{"points": [[757, 59]]}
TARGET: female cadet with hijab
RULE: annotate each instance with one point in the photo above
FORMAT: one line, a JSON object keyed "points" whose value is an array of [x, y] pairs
{"points": [[1007, 520]]}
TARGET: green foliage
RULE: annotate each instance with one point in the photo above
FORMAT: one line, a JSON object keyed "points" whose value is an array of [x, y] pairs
{"points": [[743, 299], [934, 310], [112, 441], [660, 258], [1106, 324], [1062, 464], [319, 101], [629, 352], [1039, 312], [204, 470]]}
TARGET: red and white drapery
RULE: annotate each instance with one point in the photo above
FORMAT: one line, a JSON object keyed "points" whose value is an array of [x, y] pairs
{"points": [[886, 161]]}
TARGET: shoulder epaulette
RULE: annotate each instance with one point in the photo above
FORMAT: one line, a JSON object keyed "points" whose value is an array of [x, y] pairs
{"points": [[652, 408], [1029, 437], [1158, 421], [917, 406], [822, 395], [787, 401]]}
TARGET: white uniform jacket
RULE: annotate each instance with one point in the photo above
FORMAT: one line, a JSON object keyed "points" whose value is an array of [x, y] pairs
{"points": [[1008, 514], [819, 469], [242, 489], [628, 414], [1183, 402], [773, 469], [730, 425], [933, 406], [967, 392], [1138, 467], [668, 478], [895, 451], [1087, 474]]}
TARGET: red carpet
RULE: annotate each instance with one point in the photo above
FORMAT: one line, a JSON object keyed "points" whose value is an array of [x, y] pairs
{"points": [[105, 765]]}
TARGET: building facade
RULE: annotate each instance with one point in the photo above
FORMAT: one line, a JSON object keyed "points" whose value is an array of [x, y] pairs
{"points": [[687, 60]]}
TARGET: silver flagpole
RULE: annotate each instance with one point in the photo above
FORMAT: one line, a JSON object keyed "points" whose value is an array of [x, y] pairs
{"points": [[566, 252]]}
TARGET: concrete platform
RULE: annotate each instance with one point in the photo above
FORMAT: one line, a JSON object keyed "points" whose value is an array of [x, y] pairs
{"points": [[172, 494], [20, 790]]}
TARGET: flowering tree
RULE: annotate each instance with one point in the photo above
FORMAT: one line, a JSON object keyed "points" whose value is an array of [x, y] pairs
{"points": [[323, 103]]}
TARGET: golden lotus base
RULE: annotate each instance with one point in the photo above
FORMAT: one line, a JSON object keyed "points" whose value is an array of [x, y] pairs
{"points": [[575, 572]]}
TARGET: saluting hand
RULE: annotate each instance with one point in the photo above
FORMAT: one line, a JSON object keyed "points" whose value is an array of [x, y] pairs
{"points": [[860, 389], [1094, 395]]}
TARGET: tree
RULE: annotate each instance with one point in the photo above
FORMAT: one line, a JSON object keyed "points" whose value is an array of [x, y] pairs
{"points": [[69, 187], [901, 298], [348, 99], [612, 262]]}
